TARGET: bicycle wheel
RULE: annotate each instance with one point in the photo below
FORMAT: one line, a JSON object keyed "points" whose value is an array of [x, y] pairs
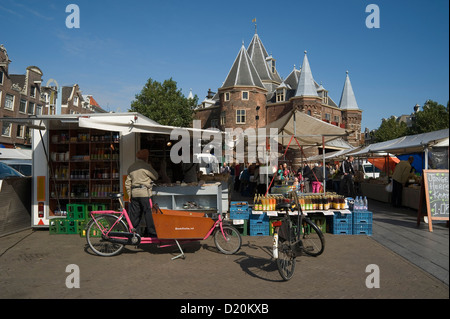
{"points": [[286, 260], [94, 236], [229, 242], [313, 240]]}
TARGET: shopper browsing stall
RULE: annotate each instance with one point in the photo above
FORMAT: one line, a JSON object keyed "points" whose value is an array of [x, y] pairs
{"points": [[348, 172], [401, 175], [317, 178], [138, 185]]}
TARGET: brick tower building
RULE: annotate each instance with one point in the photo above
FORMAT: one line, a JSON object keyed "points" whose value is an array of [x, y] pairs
{"points": [[254, 95]]}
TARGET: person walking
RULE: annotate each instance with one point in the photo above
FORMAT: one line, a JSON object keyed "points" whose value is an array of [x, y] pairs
{"points": [[307, 177], [348, 172], [317, 178], [336, 178], [138, 185], [402, 172]]}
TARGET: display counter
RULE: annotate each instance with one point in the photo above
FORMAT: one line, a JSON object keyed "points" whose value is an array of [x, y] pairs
{"points": [[275, 213], [377, 191], [206, 198], [411, 197]]}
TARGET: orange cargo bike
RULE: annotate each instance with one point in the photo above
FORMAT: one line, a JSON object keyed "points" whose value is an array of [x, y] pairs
{"points": [[109, 231]]}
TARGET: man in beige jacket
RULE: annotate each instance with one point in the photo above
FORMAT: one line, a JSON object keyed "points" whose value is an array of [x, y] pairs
{"points": [[138, 185], [402, 172]]}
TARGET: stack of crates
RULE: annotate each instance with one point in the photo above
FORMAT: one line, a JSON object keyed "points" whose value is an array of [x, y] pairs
{"points": [[240, 213], [341, 224], [76, 219], [320, 221], [259, 225], [89, 208], [362, 223], [57, 226]]}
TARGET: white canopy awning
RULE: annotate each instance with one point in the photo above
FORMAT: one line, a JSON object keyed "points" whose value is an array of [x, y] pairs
{"points": [[132, 123], [443, 143], [406, 144]]}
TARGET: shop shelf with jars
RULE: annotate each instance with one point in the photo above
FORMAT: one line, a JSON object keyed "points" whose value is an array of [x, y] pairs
{"points": [[84, 167]]}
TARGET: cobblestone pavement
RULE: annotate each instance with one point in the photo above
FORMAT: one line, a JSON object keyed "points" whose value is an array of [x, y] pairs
{"points": [[33, 265]]}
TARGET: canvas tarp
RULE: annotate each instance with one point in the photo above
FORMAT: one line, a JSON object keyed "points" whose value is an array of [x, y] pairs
{"points": [[308, 130]]}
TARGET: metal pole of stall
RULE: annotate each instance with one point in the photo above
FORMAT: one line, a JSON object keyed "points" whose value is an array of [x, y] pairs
{"points": [[323, 164]]}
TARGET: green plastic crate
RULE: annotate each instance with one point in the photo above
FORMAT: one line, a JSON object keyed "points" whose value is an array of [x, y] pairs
{"points": [[58, 226], [76, 212], [321, 222], [242, 228]]}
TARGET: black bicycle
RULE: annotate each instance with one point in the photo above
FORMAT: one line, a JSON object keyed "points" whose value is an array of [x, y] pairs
{"points": [[294, 235]]}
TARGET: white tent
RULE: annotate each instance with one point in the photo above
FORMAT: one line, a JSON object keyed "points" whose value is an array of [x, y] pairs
{"points": [[408, 144]]}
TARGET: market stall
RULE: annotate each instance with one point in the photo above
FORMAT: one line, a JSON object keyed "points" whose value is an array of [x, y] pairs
{"points": [[423, 145], [80, 159], [297, 130]]}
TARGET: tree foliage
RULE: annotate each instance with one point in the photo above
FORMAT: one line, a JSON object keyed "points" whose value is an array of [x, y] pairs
{"points": [[390, 129], [165, 104], [433, 117]]}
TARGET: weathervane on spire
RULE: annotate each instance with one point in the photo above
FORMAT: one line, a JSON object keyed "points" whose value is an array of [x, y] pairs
{"points": [[254, 21]]}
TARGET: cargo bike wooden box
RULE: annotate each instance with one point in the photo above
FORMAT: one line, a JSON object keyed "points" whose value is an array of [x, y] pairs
{"points": [[109, 231]]}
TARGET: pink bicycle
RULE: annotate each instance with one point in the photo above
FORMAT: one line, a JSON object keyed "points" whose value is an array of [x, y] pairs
{"points": [[109, 231]]}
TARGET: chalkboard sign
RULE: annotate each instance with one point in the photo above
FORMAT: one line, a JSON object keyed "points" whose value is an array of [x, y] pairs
{"points": [[435, 185]]}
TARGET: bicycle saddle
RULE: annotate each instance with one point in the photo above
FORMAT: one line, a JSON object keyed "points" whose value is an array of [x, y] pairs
{"points": [[284, 206], [115, 195]]}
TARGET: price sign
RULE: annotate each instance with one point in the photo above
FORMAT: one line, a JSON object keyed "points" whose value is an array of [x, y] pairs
{"points": [[435, 185]]}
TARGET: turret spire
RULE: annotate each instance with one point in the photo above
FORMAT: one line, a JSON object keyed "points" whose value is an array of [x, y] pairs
{"points": [[306, 86], [348, 100]]}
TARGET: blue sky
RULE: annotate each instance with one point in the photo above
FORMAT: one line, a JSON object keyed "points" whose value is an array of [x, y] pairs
{"points": [[121, 44]]}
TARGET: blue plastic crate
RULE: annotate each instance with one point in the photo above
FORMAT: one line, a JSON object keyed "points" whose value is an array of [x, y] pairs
{"points": [[259, 218], [362, 229], [362, 217], [342, 218], [239, 210], [341, 229], [259, 229], [340, 224]]}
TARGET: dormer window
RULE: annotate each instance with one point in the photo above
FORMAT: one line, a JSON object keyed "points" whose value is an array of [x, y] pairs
{"points": [[271, 64], [281, 95]]}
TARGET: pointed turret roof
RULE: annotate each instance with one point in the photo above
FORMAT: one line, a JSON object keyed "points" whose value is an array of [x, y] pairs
{"points": [[243, 72], [348, 100], [292, 78], [306, 85], [259, 55]]}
